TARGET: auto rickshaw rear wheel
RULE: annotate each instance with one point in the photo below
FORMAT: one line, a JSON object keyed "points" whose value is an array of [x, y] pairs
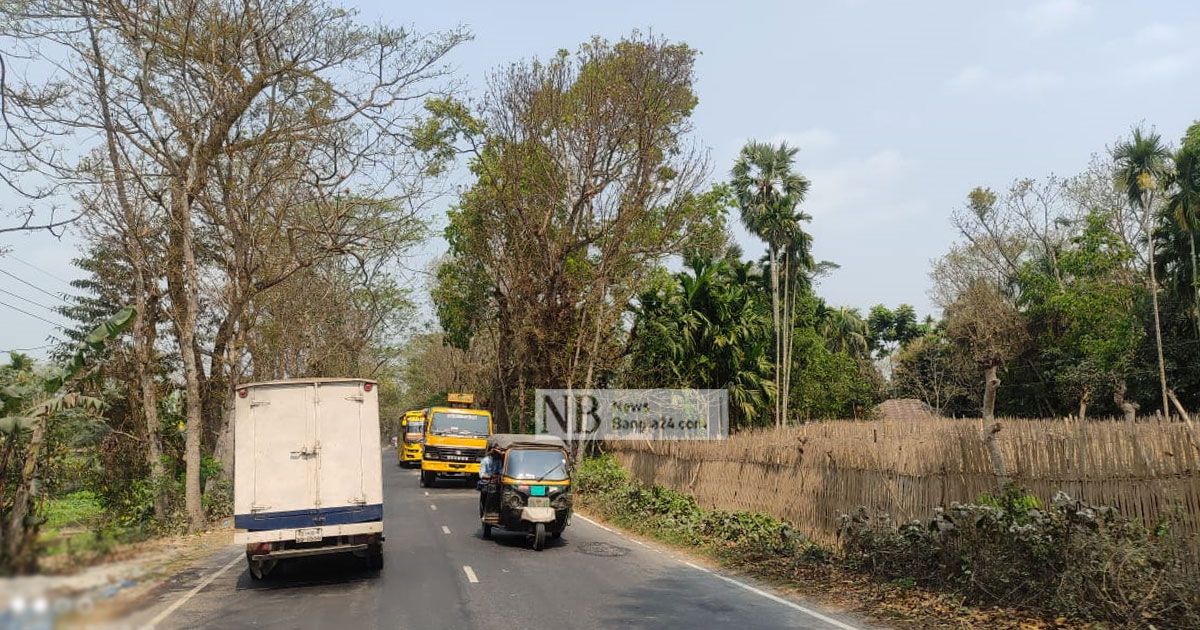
{"points": [[556, 535], [539, 536], [487, 530]]}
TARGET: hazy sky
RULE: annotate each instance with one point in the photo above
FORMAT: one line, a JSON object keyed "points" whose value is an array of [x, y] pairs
{"points": [[899, 108]]}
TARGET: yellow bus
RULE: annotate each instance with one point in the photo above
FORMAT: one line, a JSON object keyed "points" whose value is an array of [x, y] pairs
{"points": [[455, 439], [412, 437]]}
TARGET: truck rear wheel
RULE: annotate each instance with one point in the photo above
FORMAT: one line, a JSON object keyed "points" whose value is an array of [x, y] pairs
{"points": [[375, 557], [427, 479], [261, 569]]}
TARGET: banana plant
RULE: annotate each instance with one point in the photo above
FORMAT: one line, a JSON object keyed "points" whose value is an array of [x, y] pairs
{"points": [[29, 404]]}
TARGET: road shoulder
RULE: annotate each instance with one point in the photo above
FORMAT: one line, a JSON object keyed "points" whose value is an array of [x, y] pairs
{"points": [[830, 611]]}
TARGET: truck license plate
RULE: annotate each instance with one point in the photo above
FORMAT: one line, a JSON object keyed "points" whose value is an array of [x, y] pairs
{"points": [[308, 534], [539, 501]]}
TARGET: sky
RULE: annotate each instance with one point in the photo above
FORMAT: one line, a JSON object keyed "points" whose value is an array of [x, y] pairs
{"points": [[899, 109]]}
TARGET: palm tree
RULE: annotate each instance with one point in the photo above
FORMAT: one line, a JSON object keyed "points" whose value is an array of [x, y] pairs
{"points": [[768, 192], [846, 331], [1183, 205], [1142, 163]]}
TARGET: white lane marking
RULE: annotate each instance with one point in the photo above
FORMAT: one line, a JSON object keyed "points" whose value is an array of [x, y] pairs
{"points": [[445, 530], [470, 574], [426, 493], [593, 522], [433, 507], [192, 593], [757, 591], [812, 613]]}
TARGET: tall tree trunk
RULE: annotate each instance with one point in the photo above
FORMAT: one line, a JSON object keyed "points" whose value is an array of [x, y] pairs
{"points": [[995, 456], [1083, 403], [144, 333], [1147, 201], [991, 382], [1195, 283], [776, 320], [19, 534], [182, 280], [144, 336], [789, 309]]}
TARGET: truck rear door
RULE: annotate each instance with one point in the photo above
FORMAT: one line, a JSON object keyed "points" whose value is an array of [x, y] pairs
{"points": [[283, 419], [340, 431]]}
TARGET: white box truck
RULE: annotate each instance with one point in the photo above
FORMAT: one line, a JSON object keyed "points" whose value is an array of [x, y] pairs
{"points": [[308, 471]]}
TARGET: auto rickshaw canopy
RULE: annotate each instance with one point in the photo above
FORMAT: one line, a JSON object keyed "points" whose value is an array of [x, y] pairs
{"points": [[505, 441]]}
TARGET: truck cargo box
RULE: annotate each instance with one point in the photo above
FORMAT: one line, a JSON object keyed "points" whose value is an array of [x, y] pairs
{"points": [[307, 458]]}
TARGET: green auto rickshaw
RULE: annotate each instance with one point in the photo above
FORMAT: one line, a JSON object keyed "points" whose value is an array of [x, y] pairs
{"points": [[525, 486]]}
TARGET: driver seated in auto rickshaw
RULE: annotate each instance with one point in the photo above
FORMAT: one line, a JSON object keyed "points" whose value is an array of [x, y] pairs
{"points": [[525, 485]]}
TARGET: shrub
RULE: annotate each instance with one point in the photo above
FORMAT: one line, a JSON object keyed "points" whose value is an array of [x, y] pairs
{"points": [[1068, 558], [604, 486]]}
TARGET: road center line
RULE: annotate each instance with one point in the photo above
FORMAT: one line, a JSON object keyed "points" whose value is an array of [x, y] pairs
{"points": [[433, 506], [445, 530], [470, 574], [192, 593], [757, 591], [426, 493]]}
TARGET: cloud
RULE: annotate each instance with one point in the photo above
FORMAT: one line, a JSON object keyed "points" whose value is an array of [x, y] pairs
{"points": [[978, 78], [969, 77], [1161, 67], [1053, 15], [1156, 33], [860, 187], [815, 139]]}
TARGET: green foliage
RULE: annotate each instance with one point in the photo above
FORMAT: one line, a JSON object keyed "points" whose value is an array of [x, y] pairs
{"points": [[1142, 164], [938, 372], [42, 412], [1090, 330], [709, 327], [706, 327], [461, 296], [891, 330], [829, 384], [768, 192], [447, 121], [77, 509], [602, 485]]}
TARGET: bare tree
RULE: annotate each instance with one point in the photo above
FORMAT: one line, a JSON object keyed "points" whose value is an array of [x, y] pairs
{"points": [[189, 85]]}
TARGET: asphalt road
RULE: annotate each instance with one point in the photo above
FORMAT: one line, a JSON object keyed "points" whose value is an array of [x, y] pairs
{"points": [[440, 573]]}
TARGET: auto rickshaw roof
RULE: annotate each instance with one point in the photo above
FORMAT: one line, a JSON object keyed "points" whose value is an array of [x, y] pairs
{"points": [[505, 441]]}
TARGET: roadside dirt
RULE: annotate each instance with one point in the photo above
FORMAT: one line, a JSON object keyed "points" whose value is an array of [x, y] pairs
{"points": [[103, 590]]}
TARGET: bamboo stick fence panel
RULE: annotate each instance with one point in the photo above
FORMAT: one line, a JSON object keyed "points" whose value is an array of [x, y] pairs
{"points": [[809, 475]]}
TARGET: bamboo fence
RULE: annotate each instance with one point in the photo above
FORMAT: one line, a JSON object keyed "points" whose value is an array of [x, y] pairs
{"points": [[809, 475]]}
